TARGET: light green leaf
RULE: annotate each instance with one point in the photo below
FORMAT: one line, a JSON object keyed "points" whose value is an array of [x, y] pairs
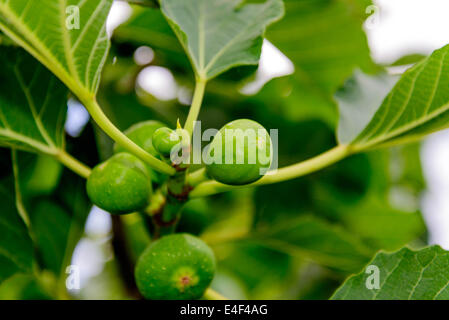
{"points": [[409, 59], [318, 240], [417, 105], [16, 249], [33, 104], [405, 274], [218, 35], [47, 29], [361, 90]]}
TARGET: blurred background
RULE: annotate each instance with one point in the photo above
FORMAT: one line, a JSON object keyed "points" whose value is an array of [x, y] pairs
{"points": [[295, 240]]}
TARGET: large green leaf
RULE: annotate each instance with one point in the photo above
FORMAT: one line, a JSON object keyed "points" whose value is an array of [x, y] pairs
{"points": [[47, 29], [33, 104], [218, 35], [417, 105], [318, 240], [16, 248], [405, 274]]}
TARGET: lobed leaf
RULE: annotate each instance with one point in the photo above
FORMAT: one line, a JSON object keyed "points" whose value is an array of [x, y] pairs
{"points": [[405, 275], [16, 248], [33, 104], [416, 106], [218, 35], [48, 30]]}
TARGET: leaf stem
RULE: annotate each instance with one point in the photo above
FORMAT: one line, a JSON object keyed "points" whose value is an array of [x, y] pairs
{"points": [[196, 104], [211, 294], [112, 131], [287, 173], [73, 164]]}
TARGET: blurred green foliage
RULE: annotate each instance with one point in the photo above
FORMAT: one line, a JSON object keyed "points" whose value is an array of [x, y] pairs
{"points": [[295, 240]]}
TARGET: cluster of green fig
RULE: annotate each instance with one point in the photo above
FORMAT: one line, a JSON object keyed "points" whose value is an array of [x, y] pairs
{"points": [[177, 266], [123, 183]]}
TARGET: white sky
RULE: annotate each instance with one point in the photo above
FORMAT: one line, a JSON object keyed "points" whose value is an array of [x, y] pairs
{"points": [[408, 26]]}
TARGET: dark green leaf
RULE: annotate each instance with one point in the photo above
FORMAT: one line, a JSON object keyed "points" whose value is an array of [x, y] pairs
{"points": [[33, 104], [56, 218], [318, 240], [16, 248], [51, 226], [59, 221]]}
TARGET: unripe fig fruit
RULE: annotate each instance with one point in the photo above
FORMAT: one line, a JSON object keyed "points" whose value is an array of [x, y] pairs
{"points": [[120, 185], [240, 153], [175, 267], [165, 140]]}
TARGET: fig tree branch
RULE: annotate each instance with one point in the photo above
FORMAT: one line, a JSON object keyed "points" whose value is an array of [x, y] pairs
{"points": [[287, 173], [112, 131]]}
